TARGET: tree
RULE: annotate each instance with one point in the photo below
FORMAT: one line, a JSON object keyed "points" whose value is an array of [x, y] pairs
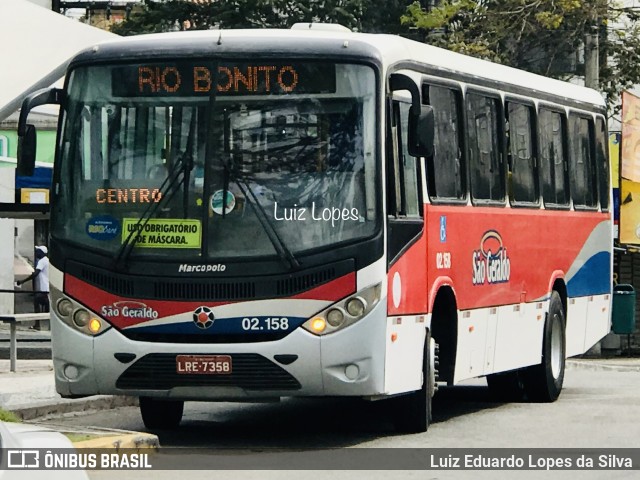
{"points": [[541, 36], [376, 16], [168, 15]]}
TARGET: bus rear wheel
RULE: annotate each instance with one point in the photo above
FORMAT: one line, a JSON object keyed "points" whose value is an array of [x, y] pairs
{"points": [[161, 414], [543, 383], [412, 412]]}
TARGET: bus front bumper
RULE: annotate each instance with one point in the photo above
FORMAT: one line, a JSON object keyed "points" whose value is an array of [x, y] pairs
{"points": [[349, 362]]}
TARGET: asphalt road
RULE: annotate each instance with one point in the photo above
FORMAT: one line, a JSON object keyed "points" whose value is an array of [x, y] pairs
{"points": [[596, 409]]}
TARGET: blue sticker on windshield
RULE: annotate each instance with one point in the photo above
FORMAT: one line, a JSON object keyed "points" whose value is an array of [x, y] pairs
{"points": [[103, 227]]}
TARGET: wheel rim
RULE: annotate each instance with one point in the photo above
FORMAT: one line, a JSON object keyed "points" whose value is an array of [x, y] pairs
{"points": [[556, 347], [432, 385]]}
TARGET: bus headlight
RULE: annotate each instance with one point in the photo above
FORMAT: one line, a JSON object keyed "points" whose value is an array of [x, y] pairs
{"points": [[356, 307], [345, 312], [335, 317], [65, 307], [76, 315], [81, 318]]}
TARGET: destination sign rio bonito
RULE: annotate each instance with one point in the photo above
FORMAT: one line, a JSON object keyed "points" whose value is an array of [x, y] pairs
{"points": [[193, 78]]}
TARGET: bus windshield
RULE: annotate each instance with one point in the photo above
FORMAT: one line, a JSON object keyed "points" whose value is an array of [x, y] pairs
{"points": [[182, 158]]}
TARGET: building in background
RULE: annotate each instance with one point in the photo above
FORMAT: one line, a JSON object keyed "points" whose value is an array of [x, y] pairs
{"points": [[34, 63]]}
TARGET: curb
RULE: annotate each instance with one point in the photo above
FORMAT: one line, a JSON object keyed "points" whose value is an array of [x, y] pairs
{"points": [[594, 365], [137, 440], [102, 402]]}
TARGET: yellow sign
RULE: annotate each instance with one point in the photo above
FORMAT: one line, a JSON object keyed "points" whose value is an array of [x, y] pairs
{"points": [[163, 232], [614, 158], [34, 195], [630, 159], [630, 171], [629, 212]]}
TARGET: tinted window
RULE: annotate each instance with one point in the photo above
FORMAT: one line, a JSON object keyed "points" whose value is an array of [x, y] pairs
{"points": [[602, 160], [581, 167], [445, 169], [409, 166], [552, 158], [484, 148], [523, 186]]}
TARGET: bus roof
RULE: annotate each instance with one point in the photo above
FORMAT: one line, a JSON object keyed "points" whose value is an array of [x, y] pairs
{"points": [[387, 49]]}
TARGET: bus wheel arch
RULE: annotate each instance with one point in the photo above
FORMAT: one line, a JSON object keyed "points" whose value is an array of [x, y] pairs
{"points": [[444, 330]]}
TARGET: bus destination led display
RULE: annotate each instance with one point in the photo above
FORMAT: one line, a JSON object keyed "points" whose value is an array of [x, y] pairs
{"points": [[195, 78]]}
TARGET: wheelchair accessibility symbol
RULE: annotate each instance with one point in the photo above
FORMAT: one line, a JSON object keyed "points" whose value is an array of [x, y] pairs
{"points": [[443, 229]]}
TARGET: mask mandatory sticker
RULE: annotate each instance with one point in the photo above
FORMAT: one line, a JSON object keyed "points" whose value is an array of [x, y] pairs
{"points": [[163, 233]]}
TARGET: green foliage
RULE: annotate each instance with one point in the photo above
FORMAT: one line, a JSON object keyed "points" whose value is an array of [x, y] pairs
{"points": [[6, 416], [171, 15], [376, 16], [541, 36]]}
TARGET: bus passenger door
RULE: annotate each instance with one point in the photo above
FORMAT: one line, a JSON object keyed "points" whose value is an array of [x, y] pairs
{"points": [[406, 256], [405, 207]]}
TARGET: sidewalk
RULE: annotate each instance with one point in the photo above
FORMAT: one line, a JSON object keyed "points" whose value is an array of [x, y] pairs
{"points": [[30, 392], [615, 364]]}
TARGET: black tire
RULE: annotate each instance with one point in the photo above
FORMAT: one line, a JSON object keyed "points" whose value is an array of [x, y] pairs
{"points": [[506, 386], [412, 412], [543, 383], [161, 414]]}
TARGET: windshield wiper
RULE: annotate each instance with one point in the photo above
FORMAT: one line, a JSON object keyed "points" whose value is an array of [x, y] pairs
{"points": [[279, 245], [167, 189]]}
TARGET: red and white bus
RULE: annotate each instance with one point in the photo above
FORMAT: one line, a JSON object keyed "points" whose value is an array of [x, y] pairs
{"points": [[252, 214]]}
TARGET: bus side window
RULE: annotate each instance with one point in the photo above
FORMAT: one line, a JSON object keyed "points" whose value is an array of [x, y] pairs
{"points": [[602, 160], [393, 180], [410, 167], [404, 184], [522, 175], [487, 180], [445, 168], [555, 190], [582, 169]]}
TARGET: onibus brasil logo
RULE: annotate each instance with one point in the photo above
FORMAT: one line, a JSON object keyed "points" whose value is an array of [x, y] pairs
{"points": [[491, 263]]}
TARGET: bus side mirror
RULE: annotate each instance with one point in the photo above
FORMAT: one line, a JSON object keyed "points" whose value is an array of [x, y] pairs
{"points": [[421, 131], [27, 151], [27, 132]]}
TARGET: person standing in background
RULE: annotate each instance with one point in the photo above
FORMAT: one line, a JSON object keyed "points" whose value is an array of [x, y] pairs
{"points": [[40, 277]]}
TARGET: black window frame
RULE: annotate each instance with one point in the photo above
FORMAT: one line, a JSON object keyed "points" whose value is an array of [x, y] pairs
{"points": [[533, 130], [456, 89], [472, 90], [606, 163], [396, 186], [593, 184], [565, 155]]}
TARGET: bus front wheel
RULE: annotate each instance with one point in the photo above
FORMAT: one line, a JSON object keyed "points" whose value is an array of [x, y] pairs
{"points": [[412, 412], [543, 383], [161, 414]]}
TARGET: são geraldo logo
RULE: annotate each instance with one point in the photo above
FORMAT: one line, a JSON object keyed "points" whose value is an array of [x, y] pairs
{"points": [[491, 263]]}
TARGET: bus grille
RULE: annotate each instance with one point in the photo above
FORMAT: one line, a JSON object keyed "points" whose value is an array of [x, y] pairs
{"points": [[199, 288], [157, 371], [299, 283], [197, 291], [111, 283]]}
